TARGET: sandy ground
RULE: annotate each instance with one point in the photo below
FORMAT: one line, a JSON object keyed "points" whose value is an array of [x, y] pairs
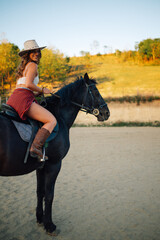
{"points": [[108, 189]]}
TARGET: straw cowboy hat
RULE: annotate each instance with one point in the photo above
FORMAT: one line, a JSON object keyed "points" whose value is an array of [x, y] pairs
{"points": [[29, 46]]}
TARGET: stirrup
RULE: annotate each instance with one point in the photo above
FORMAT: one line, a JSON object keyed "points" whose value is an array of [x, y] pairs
{"points": [[44, 158]]}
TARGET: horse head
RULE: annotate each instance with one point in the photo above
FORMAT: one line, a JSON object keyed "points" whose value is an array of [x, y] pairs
{"points": [[92, 101], [84, 94]]}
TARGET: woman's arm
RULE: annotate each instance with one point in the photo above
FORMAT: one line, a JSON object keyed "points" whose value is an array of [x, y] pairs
{"points": [[32, 72]]}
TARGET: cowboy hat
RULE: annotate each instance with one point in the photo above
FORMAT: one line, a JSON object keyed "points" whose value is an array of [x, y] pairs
{"points": [[29, 46]]}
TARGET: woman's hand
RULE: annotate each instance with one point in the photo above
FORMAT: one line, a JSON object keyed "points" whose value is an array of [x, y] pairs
{"points": [[45, 90]]}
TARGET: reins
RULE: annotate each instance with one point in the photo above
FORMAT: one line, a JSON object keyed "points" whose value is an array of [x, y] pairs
{"points": [[43, 101]]}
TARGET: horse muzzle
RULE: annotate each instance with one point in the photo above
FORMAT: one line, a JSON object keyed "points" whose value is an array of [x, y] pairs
{"points": [[102, 115]]}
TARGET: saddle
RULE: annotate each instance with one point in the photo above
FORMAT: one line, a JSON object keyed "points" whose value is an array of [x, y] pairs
{"points": [[28, 128]]}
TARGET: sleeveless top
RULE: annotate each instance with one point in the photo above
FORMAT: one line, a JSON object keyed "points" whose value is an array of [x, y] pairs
{"points": [[22, 80]]}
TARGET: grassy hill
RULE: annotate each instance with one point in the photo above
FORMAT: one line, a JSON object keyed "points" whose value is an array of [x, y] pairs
{"points": [[118, 79]]}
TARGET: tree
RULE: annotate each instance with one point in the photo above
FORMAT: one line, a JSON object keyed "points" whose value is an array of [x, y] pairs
{"points": [[145, 49], [84, 53], [8, 62], [118, 52], [156, 49], [149, 49], [53, 66]]}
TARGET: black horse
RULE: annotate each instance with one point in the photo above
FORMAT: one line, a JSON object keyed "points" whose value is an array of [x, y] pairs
{"points": [[80, 95]]}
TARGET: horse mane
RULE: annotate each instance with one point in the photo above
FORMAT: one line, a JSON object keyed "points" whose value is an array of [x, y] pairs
{"points": [[66, 92], [63, 95]]}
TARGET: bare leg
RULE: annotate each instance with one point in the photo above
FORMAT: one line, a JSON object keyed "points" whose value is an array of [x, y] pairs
{"points": [[40, 114]]}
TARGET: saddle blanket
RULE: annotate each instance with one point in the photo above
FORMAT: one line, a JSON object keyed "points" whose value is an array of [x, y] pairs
{"points": [[25, 131]]}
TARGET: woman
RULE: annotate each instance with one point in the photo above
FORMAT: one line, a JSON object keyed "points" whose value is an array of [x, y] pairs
{"points": [[23, 99]]}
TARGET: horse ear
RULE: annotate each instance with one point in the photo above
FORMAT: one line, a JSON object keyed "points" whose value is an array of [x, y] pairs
{"points": [[86, 78]]}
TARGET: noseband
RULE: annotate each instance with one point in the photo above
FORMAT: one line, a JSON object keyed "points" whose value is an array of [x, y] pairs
{"points": [[92, 110]]}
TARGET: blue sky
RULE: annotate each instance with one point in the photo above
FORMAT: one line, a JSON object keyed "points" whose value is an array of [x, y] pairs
{"points": [[74, 25]]}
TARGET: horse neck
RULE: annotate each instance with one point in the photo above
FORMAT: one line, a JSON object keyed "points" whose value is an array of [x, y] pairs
{"points": [[74, 92]]}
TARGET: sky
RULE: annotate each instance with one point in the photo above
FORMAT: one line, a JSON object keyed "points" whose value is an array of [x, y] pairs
{"points": [[72, 26]]}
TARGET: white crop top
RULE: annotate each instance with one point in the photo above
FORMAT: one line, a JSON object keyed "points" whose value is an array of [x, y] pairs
{"points": [[22, 80]]}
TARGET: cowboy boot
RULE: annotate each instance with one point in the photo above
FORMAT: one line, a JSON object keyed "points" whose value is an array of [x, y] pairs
{"points": [[39, 141]]}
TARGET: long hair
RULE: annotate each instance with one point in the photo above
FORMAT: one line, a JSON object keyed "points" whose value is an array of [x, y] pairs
{"points": [[24, 60]]}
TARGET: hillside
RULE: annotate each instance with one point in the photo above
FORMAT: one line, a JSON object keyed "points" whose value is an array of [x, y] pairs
{"points": [[116, 78]]}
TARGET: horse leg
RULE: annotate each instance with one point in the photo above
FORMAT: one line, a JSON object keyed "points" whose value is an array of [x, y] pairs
{"points": [[40, 194], [51, 173]]}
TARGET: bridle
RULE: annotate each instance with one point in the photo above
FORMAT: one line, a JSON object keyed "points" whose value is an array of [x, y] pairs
{"points": [[92, 110]]}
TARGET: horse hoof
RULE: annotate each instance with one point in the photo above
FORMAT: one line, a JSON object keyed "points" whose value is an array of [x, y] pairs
{"points": [[50, 228], [53, 234], [40, 224], [39, 216]]}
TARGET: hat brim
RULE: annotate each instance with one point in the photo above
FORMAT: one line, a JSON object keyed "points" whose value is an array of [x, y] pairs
{"points": [[21, 53]]}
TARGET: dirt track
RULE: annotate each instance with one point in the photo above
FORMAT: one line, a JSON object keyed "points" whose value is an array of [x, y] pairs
{"points": [[108, 189]]}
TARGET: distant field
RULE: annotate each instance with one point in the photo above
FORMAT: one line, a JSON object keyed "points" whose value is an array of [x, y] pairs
{"points": [[118, 79]]}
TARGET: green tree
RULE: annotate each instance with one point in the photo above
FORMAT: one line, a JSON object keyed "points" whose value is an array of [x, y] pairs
{"points": [[149, 49], [145, 49], [53, 66], [156, 49], [8, 63]]}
